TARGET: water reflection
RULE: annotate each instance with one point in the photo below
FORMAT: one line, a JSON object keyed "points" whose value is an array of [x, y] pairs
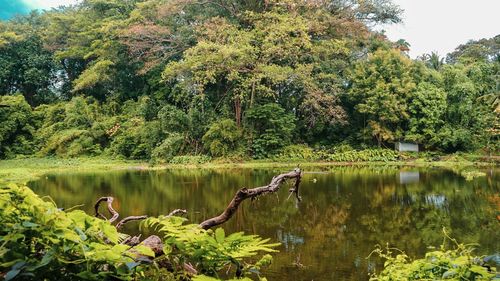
{"points": [[345, 211], [406, 177]]}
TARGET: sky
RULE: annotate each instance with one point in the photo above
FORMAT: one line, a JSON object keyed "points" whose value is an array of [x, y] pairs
{"points": [[429, 25], [9, 8], [442, 25]]}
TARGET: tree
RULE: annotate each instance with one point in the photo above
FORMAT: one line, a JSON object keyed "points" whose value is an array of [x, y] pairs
{"points": [[272, 128], [83, 39], [222, 138], [17, 126], [26, 67], [467, 117], [381, 88], [480, 50], [426, 108], [432, 60]]}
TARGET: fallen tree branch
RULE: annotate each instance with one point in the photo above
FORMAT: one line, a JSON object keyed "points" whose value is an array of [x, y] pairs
{"points": [[245, 193], [137, 218], [130, 218], [112, 211], [295, 189], [177, 212]]}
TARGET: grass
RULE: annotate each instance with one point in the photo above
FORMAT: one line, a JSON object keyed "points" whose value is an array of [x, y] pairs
{"points": [[24, 170]]}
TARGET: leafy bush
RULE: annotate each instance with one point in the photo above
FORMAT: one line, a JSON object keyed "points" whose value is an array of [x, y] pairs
{"points": [[71, 142], [222, 138], [364, 155], [173, 119], [190, 159], [68, 129], [272, 128], [136, 139], [297, 152], [210, 251], [457, 263], [16, 126], [40, 241], [169, 148]]}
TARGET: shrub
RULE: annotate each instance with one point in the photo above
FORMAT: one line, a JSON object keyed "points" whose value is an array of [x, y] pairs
{"points": [[190, 159], [70, 143], [210, 250], [16, 126], [136, 139], [66, 129], [272, 128], [222, 138], [364, 155], [173, 119], [457, 263], [41, 242], [297, 152], [170, 147]]}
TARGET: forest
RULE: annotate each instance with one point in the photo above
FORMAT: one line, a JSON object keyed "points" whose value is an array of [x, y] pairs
{"points": [[155, 80], [99, 100]]}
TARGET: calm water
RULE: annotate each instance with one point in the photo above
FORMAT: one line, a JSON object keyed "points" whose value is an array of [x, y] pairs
{"points": [[345, 211]]}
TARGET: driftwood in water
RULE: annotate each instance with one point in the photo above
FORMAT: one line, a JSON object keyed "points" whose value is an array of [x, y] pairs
{"points": [[109, 200], [245, 193], [155, 243]]}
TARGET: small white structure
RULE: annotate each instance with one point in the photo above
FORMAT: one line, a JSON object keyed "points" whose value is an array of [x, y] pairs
{"points": [[406, 146]]}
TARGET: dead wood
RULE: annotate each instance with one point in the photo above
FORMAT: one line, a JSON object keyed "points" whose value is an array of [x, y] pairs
{"points": [[245, 193], [109, 200], [130, 218], [154, 243]]}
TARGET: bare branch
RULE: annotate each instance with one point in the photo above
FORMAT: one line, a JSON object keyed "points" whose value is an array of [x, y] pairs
{"points": [[130, 218], [245, 193], [177, 212], [112, 211]]}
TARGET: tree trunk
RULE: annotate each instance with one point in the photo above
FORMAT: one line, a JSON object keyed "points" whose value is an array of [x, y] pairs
{"points": [[237, 110]]}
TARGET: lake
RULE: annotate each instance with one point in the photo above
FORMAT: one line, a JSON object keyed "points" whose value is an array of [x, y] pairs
{"points": [[344, 214]]}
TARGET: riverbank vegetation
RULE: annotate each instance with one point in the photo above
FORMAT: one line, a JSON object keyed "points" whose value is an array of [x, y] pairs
{"points": [[154, 80], [455, 262], [40, 241]]}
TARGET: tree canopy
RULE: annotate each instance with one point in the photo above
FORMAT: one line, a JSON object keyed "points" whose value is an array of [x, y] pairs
{"points": [[156, 79]]}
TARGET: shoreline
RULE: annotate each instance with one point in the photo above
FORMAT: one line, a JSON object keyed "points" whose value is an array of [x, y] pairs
{"points": [[24, 170]]}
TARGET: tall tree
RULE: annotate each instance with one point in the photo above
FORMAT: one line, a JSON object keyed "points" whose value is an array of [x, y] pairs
{"points": [[381, 88]]}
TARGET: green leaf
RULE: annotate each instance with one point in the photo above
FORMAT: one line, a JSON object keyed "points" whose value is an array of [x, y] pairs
{"points": [[219, 235], [145, 251], [167, 249], [11, 274]]}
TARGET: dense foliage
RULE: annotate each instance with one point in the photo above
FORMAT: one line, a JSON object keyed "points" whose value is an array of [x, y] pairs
{"points": [[239, 79], [457, 263], [40, 241]]}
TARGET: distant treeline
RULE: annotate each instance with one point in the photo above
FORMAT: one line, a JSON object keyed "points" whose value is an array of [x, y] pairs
{"points": [[228, 78]]}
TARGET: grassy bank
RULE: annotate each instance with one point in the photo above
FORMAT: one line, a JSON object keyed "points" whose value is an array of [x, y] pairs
{"points": [[23, 170]]}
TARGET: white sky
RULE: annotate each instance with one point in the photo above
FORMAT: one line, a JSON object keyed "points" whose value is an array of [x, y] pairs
{"points": [[442, 25], [46, 4]]}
